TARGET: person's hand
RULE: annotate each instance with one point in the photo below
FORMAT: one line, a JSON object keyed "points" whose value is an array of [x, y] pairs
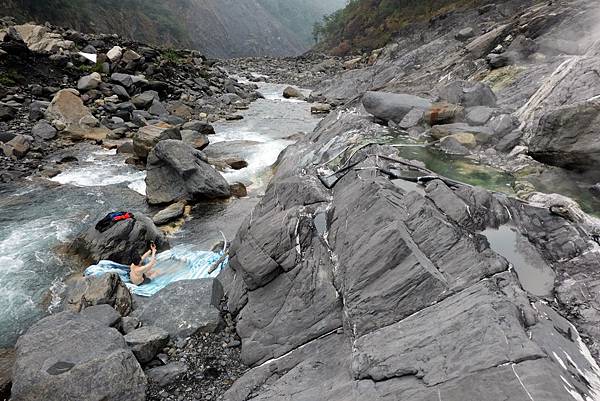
{"points": [[153, 248]]}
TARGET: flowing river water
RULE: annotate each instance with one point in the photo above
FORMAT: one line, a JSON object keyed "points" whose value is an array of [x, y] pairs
{"points": [[38, 217]]}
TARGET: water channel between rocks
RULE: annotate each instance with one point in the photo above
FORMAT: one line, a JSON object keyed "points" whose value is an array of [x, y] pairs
{"points": [[38, 216]]}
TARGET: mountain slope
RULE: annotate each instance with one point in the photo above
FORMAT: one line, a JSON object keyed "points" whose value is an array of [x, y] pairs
{"points": [[300, 16], [220, 28], [370, 24]]}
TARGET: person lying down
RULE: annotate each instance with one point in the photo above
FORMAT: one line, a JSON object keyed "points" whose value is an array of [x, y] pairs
{"points": [[149, 273]]}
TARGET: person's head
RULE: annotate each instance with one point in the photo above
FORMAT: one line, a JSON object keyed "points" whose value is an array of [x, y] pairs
{"points": [[137, 259]]}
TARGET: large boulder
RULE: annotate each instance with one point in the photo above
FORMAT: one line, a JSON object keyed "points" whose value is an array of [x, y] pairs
{"points": [[184, 308], [66, 357], [68, 108], [147, 137], [468, 94], [39, 39], [176, 171], [392, 106], [86, 292], [291, 92], [123, 240], [568, 136]]}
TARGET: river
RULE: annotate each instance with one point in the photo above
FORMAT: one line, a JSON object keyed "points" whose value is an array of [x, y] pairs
{"points": [[38, 217]]}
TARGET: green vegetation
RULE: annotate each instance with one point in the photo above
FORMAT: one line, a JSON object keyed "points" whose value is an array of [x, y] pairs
{"points": [[172, 56], [369, 24], [88, 69], [10, 77]]}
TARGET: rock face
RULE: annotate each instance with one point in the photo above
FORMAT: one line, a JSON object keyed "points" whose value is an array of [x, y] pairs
{"points": [[68, 108], [108, 289], [366, 287], [146, 342], [104, 313], [176, 171], [147, 137], [68, 357], [568, 136], [468, 94], [120, 242], [392, 106], [184, 308]]}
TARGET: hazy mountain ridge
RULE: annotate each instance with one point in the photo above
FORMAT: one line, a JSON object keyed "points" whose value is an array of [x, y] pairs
{"points": [[220, 28], [365, 25]]}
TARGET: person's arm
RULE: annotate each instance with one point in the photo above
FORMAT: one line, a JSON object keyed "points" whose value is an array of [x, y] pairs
{"points": [[146, 268], [145, 256]]}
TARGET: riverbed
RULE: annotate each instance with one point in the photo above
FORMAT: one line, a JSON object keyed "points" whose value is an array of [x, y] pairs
{"points": [[38, 217]]}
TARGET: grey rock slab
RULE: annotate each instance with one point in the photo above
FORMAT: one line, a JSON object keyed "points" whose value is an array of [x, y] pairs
{"points": [[176, 171], [128, 324], [146, 342], [479, 115], [66, 357], [168, 214], [167, 374], [108, 289], [476, 329], [468, 94], [310, 307], [158, 109], [43, 130], [102, 313], [144, 99], [148, 136], [195, 139], [184, 308], [88, 82], [124, 80]]}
